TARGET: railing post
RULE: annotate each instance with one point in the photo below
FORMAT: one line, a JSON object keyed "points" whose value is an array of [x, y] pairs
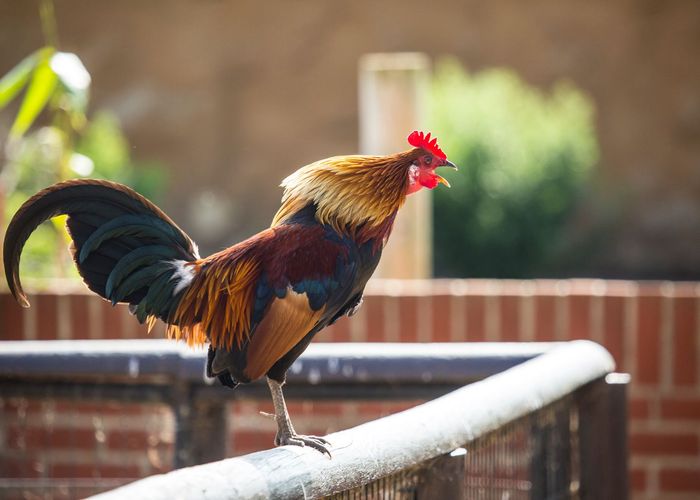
{"points": [[560, 443], [550, 445], [538, 460], [602, 407], [444, 478], [200, 427], [182, 408], [209, 430]]}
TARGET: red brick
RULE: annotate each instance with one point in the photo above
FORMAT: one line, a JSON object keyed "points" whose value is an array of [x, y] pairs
{"points": [[545, 317], [510, 317], [373, 306], [651, 288], [372, 408], [398, 406], [132, 440], [408, 314], [80, 317], [296, 407], [248, 441], [14, 405], [332, 408], [376, 409], [111, 322], [158, 331], [22, 405], [476, 318], [582, 286], [458, 319], [341, 330], [648, 443], [672, 408], [94, 470], [45, 438], [614, 328], [680, 479], [579, 317], [132, 329], [687, 289], [648, 339], [503, 286], [424, 309], [327, 334], [14, 467], [442, 318], [247, 407], [638, 479], [638, 408], [72, 470], [12, 324], [685, 341], [106, 408], [46, 316]]}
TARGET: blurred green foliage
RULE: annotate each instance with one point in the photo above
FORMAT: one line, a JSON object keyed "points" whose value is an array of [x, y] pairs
{"points": [[525, 161], [106, 145], [67, 145], [101, 151]]}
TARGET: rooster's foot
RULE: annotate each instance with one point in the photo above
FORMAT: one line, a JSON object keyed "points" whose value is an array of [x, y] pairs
{"points": [[315, 442]]}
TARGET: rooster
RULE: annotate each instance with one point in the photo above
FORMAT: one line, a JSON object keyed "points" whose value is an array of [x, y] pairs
{"points": [[260, 302]]}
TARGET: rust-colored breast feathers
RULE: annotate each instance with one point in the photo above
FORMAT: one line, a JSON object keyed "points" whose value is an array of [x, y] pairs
{"points": [[286, 322]]}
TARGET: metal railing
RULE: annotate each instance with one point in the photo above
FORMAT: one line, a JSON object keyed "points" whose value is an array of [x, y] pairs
{"points": [[160, 371], [542, 422]]}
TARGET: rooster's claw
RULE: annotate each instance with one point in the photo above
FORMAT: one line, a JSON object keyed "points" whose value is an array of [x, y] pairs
{"points": [[315, 442]]}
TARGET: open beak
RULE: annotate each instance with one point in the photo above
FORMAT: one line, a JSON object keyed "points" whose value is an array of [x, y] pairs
{"points": [[448, 163], [441, 179]]}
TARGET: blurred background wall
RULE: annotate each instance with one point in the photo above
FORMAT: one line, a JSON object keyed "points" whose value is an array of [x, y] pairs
{"points": [[230, 96]]}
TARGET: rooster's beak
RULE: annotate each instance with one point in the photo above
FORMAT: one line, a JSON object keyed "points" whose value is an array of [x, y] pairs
{"points": [[441, 179], [448, 163]]}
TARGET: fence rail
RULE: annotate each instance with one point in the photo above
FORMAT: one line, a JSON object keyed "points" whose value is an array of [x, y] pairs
{"points": [[541, 420], [393, 446], [161, 371]]}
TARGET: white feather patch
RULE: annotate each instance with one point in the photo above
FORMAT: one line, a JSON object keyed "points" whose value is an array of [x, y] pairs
{"points": [[183, 275], [413, 172]]}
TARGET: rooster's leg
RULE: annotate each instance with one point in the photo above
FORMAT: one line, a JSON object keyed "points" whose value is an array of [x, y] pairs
{"points": [[285, 430]]}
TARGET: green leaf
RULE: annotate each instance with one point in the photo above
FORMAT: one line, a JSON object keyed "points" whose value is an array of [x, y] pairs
{"points": [[38, 94], [74, 78], [17, 77]]}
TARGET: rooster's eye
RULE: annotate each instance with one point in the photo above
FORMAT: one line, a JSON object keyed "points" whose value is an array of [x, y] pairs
{"points": [[428, 159]]}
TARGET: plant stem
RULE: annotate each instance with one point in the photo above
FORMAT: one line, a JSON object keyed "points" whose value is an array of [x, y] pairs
{"points": [[48, 22]]}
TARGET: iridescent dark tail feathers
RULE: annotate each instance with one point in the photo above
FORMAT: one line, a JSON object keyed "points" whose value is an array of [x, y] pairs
{"points": [[125, 248]]}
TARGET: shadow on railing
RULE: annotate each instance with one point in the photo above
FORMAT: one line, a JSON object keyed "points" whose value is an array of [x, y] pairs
{"points": [[544, 420]]}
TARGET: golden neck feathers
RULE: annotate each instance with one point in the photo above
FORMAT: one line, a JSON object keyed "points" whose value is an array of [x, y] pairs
{"points": [[349, 192]]}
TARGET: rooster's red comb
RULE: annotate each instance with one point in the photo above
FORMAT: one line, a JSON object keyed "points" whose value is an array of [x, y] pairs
{"points": [[420, 140]]}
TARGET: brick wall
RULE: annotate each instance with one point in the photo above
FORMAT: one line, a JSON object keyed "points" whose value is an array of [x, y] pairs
{"points": [[652, 330]]}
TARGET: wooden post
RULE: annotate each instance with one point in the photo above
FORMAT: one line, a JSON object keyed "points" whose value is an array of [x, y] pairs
{"points": [[393, 93]]}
